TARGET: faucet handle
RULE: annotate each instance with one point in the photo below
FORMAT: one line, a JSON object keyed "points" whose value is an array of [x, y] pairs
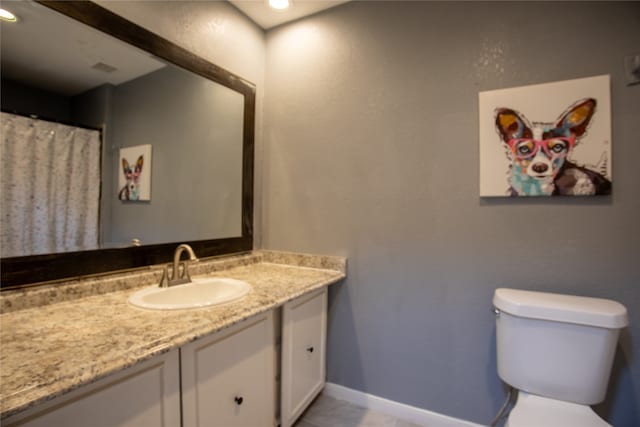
{"points": [[180, 276]]}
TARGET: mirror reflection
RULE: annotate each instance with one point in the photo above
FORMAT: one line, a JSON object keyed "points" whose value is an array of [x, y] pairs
{"points": [[168, 143]]}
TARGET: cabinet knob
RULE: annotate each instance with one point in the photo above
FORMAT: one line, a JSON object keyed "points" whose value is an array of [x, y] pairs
{"points": [[238, 400], [310, 349]]}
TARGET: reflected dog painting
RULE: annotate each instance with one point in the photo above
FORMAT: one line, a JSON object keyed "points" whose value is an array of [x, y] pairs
{"points": [[565, 155], [134, 179]]}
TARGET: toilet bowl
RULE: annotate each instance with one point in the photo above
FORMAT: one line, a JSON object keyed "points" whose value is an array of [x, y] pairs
{"points": [[538, 411], [557, 352]]}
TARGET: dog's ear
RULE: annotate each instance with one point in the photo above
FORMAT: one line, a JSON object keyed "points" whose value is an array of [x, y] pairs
{"points": [[125, 164], [577, 117], [139, 163], [510, 124]]}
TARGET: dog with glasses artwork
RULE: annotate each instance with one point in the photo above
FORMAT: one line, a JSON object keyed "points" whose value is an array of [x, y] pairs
{"points": [[540, 153], [132, 172]]}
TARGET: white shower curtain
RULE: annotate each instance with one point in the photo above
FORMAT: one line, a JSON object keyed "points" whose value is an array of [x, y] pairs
{"points": [[50, 187]]}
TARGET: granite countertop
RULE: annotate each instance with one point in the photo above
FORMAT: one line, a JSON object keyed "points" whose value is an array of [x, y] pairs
{"points": [[54, 347]]}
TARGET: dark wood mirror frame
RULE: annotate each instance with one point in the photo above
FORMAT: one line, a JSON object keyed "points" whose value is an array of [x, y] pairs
{"points": [[35, 269]]}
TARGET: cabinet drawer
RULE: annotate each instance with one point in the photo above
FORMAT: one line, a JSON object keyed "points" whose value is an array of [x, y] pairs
{"points": [[304, 323], [228, 378]]}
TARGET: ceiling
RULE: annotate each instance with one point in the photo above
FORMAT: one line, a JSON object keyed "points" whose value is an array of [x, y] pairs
{"points": [[260, 12], [50, 51]]}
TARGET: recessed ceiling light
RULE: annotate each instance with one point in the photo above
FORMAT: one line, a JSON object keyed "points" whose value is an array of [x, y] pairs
{"points": [[5, 15], [279, 4]]}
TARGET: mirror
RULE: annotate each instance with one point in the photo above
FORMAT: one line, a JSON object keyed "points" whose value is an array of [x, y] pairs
{"points": [[199, 125]]}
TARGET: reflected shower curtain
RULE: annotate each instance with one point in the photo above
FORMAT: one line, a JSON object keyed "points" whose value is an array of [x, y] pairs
{"points": [[50, 187]]}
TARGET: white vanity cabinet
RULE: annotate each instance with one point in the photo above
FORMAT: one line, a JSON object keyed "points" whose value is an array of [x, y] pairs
{"points": [[228, 379], [304, 332], [147, 394]]}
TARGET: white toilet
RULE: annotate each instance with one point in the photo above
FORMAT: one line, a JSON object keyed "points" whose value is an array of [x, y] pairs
{"points": [[557, 351]]}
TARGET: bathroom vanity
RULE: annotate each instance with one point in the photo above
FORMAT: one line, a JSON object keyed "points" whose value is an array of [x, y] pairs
{"points": [[97, 360]]}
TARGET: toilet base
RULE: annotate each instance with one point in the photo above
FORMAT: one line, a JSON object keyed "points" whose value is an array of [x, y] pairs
{"points": [[535, 411]]}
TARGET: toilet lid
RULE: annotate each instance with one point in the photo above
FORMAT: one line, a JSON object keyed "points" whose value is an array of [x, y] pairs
{"points": [[536, 411]]}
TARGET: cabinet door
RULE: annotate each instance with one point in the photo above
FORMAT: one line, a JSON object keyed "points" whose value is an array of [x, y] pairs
{"points": [[147, 394], [304, 323], [228, 378]]}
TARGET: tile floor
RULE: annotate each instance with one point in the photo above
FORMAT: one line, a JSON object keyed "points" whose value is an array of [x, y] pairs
{"points": [[328, 412]]}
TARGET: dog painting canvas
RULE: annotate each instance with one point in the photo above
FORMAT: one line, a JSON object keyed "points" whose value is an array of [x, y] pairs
{"points": [[134, 179], [552, 139]]}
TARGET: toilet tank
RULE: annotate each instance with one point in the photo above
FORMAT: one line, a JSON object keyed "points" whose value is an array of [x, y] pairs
{"points": [[557, 346]]}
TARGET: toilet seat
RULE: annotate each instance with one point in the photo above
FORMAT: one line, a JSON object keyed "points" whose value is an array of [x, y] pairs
{"points": [[535, 411]]}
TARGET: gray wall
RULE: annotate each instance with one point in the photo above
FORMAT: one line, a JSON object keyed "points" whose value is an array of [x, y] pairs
{"points": [[371, 151]]}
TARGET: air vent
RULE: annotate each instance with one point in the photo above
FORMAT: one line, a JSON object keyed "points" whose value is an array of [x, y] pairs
{"points": [[101, 66]]}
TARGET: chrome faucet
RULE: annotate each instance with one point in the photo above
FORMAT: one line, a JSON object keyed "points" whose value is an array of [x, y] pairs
{"points": [[178, 276]]}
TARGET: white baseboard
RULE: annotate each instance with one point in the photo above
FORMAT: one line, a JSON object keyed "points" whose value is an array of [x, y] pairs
{"points": [[395, 409]]}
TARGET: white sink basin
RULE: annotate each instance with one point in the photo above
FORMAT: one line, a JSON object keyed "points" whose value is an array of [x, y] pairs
{"points": [[201, 292]]}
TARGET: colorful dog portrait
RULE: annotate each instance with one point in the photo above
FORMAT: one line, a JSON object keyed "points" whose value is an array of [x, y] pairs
{"points": [[552, 139], [135, 173]]}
